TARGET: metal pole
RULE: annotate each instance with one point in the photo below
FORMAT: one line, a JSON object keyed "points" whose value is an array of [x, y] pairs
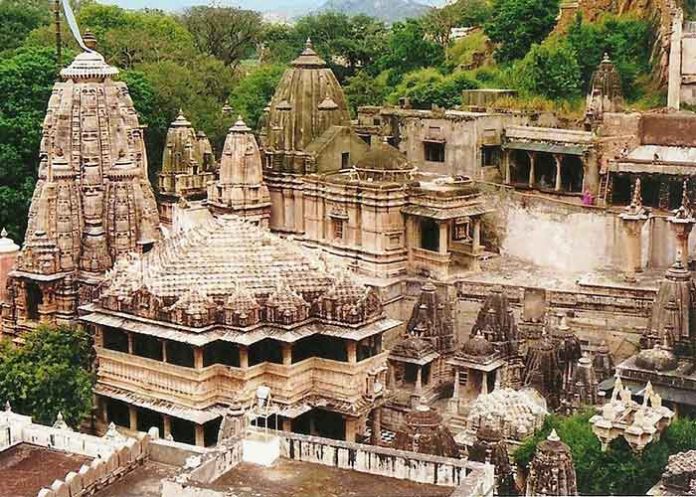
{"points": [[59, 42]]}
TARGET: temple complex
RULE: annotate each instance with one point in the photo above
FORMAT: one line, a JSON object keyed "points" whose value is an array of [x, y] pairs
{"points": [[92, 204]]}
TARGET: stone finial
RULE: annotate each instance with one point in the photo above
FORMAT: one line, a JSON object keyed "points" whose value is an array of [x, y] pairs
{"points": [[3, 233], [553, 436], [90, 40], [637, 199], [60, 423], [606, 58], [308, 44], [8, 407]]}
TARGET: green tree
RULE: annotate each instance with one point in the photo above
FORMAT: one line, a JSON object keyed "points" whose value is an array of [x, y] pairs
{"points": [[618, 471], [626, 40], [408, 49], [463, 13], [515, 25], [230, 34], [26, 82], [254, 91], [17, 20], [427, 87], [49, 374], [550, 70], [363, 89]]}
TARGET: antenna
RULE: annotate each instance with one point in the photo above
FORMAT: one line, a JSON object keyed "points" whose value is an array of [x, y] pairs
{"points": [[59, 41]]}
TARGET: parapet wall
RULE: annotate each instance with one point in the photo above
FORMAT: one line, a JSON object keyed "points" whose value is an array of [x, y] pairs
{"points": [[381, 461], [465, 477], [112, 457]]}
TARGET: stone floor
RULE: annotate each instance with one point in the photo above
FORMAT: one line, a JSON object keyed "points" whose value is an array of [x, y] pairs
{"points": [[25, 469], [142, 482], [292, 479]]}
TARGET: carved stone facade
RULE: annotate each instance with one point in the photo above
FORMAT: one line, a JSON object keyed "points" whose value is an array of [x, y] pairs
{"points": [[552, 471], [93, 202], [188, 165], [210, 315], [240, 188]]}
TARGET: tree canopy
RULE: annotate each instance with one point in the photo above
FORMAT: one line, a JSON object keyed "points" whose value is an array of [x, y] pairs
{"points": [[517, 24], [49, 374], [618, 471]]}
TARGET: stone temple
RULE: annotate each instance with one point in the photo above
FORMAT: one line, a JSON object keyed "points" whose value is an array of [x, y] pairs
{"points": [[93, 202], [419, 285]]}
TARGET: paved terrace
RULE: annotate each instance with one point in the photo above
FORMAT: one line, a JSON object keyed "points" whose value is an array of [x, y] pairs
{"points": [[288, 478], [25, 469]]}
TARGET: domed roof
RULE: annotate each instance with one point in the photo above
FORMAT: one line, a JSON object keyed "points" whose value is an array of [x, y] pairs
{"points": [[423, 431], [307, 102], [657, 359], [413, 347], [383, 157], [477, 346]]}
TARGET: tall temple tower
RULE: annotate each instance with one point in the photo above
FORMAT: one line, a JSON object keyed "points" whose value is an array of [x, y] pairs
{"points": [[240, 189], [307, 131], [552, 471], [92, 202], [188, 165]]}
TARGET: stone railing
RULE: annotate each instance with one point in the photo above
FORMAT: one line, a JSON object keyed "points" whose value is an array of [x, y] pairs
{"points": [[381, 461], [201, 388], [113, 456]]}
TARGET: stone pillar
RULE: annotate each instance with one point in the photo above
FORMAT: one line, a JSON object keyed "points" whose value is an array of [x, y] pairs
{"points": [[287, 424], [532, 165], [352, 348], [200, 435], [674, 79], [167, 426], [454, 401], [444, 238], [682, 222], [163, 343], [8, 256], [198, 357], [506, 166], [633, 219], [312, 426], [103, 410], [130, 342], [484, 383], [559, 162], [133, 418], [419, 382], [287, 354], [376, 428], [243, 357], [351, 428], [476, 235]]}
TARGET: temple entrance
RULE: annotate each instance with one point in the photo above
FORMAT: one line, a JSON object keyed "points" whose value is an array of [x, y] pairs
{"points": [[572, 174], [320, 423], [520, 166], [430, 235], [148, 419], [183, 431], [621, 190], [545, 171], [34, 301], [117, 412], [148, 347]]}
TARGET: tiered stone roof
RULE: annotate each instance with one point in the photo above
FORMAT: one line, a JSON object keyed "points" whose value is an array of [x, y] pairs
{"points": [[515, 414], [228, 271]]}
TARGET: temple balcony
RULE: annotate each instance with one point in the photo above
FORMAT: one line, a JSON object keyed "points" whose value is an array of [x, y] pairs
{"points": [[200, 388], [435, 263]]}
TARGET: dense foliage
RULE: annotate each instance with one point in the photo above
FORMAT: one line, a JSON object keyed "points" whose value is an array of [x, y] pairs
{"points": [[618, 471], [49, 374], [517, 24]]}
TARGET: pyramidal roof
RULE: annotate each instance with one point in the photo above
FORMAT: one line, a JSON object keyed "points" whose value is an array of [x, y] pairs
{"points": [[217, 257]]}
